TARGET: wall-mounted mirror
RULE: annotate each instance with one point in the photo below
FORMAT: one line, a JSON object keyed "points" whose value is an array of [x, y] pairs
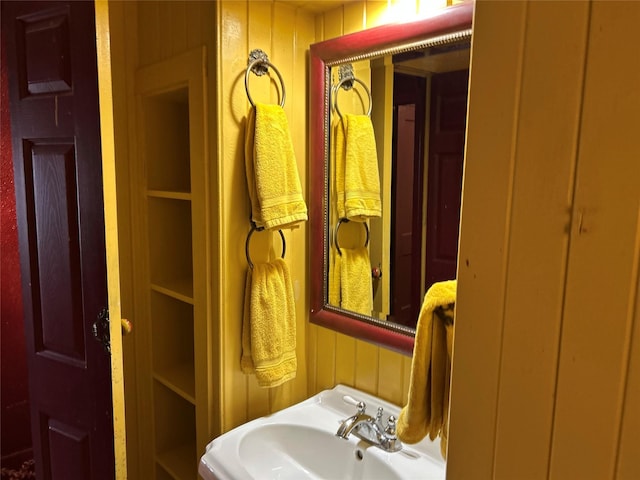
{"points": [[413, 78]]}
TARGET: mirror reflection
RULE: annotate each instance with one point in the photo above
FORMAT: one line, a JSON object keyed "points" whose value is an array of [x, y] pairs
{"points": [[396, 151]]}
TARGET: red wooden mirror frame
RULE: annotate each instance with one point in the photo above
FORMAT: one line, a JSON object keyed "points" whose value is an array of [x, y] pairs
{"points": [[323, 55]]}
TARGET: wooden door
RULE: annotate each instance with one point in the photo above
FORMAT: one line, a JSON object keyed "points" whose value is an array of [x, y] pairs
{"points": [[58, 179], [409, 95], [444, 185]]}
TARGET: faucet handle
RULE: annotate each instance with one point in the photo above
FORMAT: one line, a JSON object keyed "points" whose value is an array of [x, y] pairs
{"points": [[390, 431], [379, 414], [362, 407]]}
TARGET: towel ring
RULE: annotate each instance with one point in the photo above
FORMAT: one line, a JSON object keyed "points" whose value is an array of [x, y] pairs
{"points": [[260, 229], [346, 220], [259, 64], [344, 81]]}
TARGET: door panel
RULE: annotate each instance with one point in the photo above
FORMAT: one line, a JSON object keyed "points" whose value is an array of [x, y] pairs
{"points": [[51, 54], [444, 185], [409, 97]]}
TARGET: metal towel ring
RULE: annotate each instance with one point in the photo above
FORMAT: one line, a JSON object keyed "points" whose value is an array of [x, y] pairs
{"points": [[259, 64], [346, 220], [246, 244], [344, 81]]}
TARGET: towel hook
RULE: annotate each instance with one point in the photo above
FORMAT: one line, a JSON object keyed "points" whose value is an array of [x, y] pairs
{"points": [[260, 229], [259, 64], [346, 79], [346, 220]]}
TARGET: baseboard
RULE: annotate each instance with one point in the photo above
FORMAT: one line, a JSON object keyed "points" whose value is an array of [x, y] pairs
{"points": [[14, 461]]}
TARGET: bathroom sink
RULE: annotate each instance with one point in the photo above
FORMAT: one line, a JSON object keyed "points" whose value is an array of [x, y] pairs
{"points": [[299, 442]]}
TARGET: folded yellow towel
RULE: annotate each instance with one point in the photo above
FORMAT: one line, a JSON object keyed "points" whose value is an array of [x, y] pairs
{"points": [[269, 325], [272, 173], [361, 175], [356, 290], [427, 409]]}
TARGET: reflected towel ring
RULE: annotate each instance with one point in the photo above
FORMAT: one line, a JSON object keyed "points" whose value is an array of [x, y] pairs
{"points": [[346, 220], [345, 81], [246, 244], [259, 64]]}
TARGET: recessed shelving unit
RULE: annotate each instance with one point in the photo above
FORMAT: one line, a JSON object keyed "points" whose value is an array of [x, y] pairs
{"points": [[173, 287]]}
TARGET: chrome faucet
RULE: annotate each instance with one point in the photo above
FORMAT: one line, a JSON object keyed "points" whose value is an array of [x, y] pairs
{"points": [[371, 429]]}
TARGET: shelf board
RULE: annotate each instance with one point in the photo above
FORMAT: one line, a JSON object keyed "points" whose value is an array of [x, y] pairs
{"points": [[173, 195], [179, 289], [181, 462], [180, 379]]}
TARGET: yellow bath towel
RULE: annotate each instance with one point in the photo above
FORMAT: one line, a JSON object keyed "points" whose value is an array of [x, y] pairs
{"points": [[357, 175], [269, 325], [272, 173], [427, 409], [356, 292]]}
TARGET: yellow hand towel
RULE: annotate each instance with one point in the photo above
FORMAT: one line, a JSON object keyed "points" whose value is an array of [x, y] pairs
{"points": [[269, 325], [427, 409], [272, 172], [361, 175], [356, 290]]}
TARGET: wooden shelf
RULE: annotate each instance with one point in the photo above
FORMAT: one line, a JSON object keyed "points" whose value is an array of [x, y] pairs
{"points": [[179, 379], [180, 289], [172, 195], [181, 462]]}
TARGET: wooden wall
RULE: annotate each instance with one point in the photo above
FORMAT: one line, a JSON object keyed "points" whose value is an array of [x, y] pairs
{"points": [[546, 375]]}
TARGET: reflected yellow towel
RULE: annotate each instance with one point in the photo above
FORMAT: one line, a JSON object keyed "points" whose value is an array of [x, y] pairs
{"points": [[269, 325], [361, 176], [427, 409], [356, 173], [272, 172], [356, 290]]}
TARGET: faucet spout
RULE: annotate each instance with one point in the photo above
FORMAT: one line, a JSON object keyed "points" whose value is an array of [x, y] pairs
{"points": [[367, 428], [352, 423]]}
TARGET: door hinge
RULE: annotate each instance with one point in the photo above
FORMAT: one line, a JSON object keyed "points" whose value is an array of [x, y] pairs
{"points": [[100, 330]]}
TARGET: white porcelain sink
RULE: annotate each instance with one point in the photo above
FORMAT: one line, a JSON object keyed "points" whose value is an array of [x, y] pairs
{"points": [[299, 442]]}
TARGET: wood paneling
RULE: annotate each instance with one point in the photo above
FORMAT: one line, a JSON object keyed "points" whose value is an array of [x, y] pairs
{"points": [[547, 319], [601, 288], [284, 32]]}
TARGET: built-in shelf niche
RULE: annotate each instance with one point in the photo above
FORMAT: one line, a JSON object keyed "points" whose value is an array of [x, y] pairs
{"points": [[173, 344], [175, 433], [170, 250], [167, 141], [170, 226]]}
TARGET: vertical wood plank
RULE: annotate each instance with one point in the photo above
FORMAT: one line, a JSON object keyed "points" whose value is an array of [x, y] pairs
{"points": [[628, 465], [543, 187], [375, 12], [345, 360], [148, 32], [354, 17], [194, 15], [483, 252], [178, 27], [367, 367], [165, 29], [598, 315], [390, 375], [232, 107]]}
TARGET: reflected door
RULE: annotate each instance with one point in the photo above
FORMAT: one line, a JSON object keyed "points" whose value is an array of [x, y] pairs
{"points": [[447, 123], [409, 94]]}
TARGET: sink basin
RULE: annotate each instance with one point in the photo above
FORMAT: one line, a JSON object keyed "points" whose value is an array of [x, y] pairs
{"points": [[299, 442]]}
